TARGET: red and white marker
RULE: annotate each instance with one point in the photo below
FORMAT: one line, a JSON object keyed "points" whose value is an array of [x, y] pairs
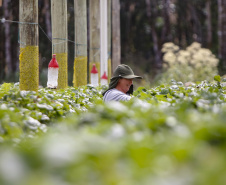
{"points": [[104, 79], [94, 76], [53, 69]]}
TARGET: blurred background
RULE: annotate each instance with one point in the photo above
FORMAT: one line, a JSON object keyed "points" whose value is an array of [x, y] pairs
{"points": [[187, 27]]}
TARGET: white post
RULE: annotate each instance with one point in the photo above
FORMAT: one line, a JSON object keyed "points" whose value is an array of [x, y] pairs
{"points": [[29, 45], [59, 39], [80, 60], [103, 38], [116, 37]]}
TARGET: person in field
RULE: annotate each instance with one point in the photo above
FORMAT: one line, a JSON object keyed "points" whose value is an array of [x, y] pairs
{"points": [[121, 84]]}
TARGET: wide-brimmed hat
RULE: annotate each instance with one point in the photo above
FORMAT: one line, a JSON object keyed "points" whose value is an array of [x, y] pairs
{"points": [[124, 71], [121, 71]]}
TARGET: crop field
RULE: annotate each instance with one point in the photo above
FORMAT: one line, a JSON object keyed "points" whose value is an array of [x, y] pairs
{"points": [[166, 135]]}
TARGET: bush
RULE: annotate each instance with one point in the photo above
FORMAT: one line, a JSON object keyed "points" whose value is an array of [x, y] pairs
{"points": [[170, 134], [192, 64]]}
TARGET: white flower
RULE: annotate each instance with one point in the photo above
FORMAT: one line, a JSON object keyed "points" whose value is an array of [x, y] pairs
{"points": [[169, 47], [170, 58]]}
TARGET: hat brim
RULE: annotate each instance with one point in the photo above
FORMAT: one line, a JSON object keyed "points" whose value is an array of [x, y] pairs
{"points": [[132, 77]]}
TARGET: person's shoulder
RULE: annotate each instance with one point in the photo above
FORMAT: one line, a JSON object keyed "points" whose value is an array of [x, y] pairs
{"points": [[115, 91], [114, 94]]}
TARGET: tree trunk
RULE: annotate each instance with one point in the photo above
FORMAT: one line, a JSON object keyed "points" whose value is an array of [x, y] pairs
{"points": [[196, 24], [156, 49], [220, 28], [47, 18], [29, 60], [59, 39], [116, 37], [8, 58], [209, 23], [222, 31], [166, 36], [80, 61]]}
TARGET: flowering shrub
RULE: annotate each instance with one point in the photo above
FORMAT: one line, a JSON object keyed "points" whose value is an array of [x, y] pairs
{"points": [[192, 64]]}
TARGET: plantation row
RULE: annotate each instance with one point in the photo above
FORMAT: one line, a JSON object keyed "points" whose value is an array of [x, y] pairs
{"points": [[170, 134]]}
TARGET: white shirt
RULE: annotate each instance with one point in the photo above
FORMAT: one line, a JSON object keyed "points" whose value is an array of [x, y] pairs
{"points": [[115, 95]]}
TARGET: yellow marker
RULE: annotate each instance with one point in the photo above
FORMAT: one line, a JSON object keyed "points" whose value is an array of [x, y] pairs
{"points": [[80, 71], [29, 68], [63, 70]]}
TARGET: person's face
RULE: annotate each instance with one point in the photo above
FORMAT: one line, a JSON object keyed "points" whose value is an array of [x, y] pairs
{"points": [[124, 84]]}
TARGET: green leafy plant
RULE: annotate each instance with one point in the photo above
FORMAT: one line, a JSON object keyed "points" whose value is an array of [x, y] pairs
{"points": [[171, 133]]}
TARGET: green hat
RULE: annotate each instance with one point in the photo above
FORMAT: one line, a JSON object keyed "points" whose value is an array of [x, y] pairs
{"points": [[124, 71], [121, 71]]}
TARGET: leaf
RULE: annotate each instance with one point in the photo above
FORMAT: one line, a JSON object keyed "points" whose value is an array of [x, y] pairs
{"points": [[4, 88], [161, 97], [217, 78]]}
